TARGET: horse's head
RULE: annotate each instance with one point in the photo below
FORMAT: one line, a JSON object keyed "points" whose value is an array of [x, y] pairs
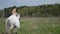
{"points": [[18, 16], [15, 13]]}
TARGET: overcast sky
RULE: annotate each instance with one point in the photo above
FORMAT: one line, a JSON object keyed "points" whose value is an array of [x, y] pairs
{"points": [[9, 3]]}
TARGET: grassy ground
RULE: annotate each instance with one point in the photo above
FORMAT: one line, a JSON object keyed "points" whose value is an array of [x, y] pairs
{"points": [[36, 26]]}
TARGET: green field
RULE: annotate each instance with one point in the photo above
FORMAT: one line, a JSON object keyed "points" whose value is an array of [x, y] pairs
{"points": [[30, 25]]}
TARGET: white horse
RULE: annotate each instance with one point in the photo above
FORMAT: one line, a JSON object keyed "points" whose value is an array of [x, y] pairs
{"points": [[12, 22]]}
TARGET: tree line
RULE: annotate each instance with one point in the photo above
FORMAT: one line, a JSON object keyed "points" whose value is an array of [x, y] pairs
{"points": [[51, 10]]}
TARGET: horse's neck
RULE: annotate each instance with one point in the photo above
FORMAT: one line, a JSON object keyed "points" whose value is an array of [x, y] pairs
{"points": [[13, 15]]}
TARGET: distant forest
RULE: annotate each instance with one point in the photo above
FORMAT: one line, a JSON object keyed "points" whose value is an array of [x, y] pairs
{"points": [[51, 10]]}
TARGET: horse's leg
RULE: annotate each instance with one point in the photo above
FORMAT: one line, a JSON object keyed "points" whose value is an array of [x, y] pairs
{"points": [[11, 28], [8, 25], [15, 29], [8, 30]]}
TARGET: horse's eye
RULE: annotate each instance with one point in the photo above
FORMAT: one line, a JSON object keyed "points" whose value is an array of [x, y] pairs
{"points": [[16, 15]]}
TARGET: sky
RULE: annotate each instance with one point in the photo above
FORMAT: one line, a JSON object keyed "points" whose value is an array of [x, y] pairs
{"points": [[10, 3]]}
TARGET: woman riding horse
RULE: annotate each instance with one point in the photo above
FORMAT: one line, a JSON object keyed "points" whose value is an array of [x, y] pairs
{"points": [[13, 22]]}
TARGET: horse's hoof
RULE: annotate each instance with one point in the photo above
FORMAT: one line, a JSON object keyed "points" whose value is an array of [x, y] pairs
{"points": [[16, 32], [6, 33]]}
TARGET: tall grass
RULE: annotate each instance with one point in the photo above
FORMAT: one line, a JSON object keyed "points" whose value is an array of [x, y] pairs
{"points": [[36, 25]]}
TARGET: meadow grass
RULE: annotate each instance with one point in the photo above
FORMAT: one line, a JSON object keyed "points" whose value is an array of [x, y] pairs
{"points": [[31, 25]]}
